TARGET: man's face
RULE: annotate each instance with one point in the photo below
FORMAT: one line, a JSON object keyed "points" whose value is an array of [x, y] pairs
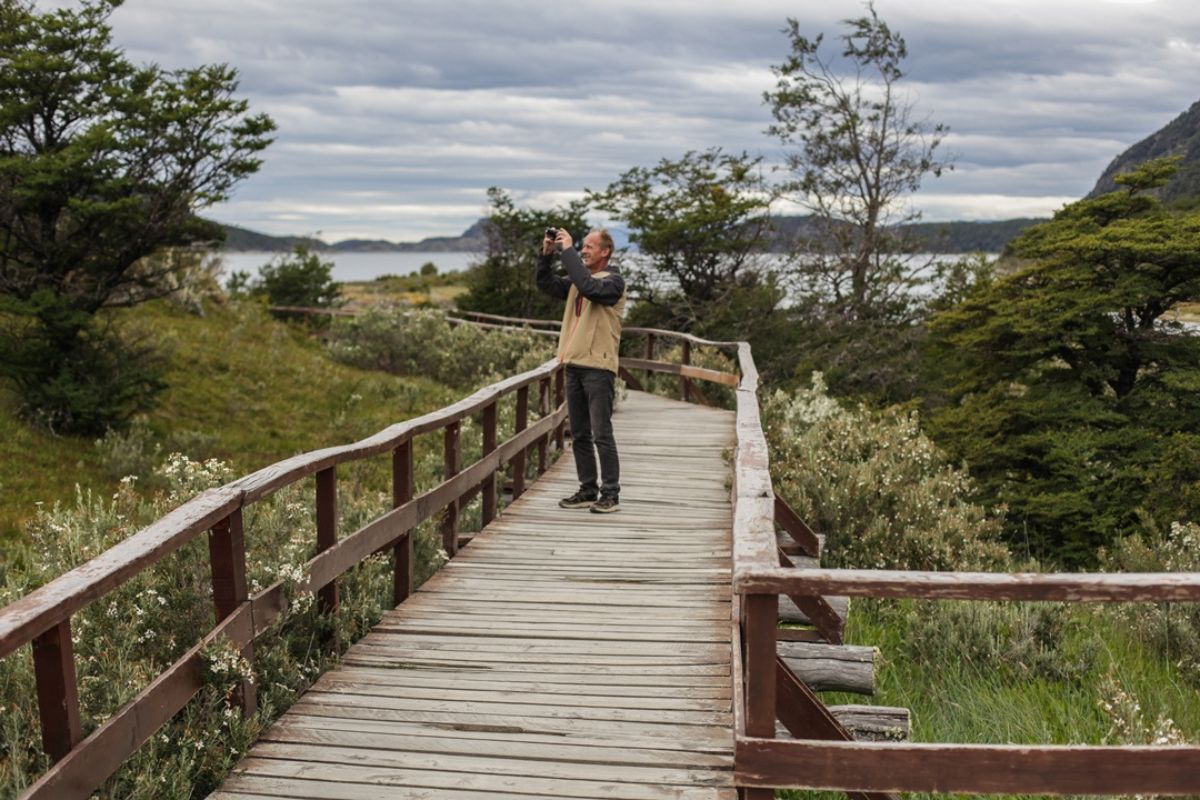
{"points": [[593, 254]]}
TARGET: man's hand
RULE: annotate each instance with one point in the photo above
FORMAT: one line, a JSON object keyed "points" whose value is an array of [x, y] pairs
{"points": [[564, 240], [547, 245]]}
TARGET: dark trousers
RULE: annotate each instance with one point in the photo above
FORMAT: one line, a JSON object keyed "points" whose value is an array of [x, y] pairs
{"points": [[590, 405]]}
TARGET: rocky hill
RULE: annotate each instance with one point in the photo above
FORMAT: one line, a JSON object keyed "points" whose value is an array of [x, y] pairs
{"points": [[240, 239], [1180, 137]]}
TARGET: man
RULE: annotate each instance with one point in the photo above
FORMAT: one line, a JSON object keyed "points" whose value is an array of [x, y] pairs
{"points": [[588, 345]]}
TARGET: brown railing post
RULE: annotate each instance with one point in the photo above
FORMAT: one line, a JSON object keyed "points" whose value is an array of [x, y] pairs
{"points": [[450, 523], [227, 557], [560, 379], [684, 383], [544, 409], [518, 462], [327, 532], [489, 445], [759, 622], [402, 492], [57, 690], [649, 346]]}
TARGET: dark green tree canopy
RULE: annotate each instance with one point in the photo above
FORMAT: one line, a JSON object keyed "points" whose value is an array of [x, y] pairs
{"points": [[102, 163], [1064, 380]]}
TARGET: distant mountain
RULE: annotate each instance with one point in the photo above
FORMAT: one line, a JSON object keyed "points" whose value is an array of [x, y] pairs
{"points": [[936, 237], [940, 237], [239, 239], [1180, 137]]}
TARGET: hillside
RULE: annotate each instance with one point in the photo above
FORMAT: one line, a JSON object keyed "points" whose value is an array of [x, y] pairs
{"points": [[240, 239], [1180, 137], [243, 387], [935, 237]]}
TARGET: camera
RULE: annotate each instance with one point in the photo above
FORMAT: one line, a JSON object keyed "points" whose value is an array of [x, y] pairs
{"points": [[552, 232]]}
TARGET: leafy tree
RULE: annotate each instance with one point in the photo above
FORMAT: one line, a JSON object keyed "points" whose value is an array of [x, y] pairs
{"points": [[503, 282], [302, 278], [697, 222], [1067, 386], [102, 164], [859, 151]]}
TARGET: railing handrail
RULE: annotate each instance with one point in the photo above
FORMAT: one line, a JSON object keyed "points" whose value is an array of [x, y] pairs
{"points": [[42, 609], [1080, 587]]}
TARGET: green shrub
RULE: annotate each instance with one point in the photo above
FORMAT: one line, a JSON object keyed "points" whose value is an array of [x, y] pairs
{"points": [[301, 278], [126, 639], [97, 379], [423, 343], [1171, 629], [880, 491]]}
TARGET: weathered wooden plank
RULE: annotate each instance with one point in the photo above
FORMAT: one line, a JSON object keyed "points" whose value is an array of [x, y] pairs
{"points": [[972, 769], [468, 764], [1056, 587], [555, 787], [319, 732], [57, 601]]}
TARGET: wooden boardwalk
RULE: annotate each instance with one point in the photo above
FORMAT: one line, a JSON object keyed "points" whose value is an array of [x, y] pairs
{"points": [[560, 654]]}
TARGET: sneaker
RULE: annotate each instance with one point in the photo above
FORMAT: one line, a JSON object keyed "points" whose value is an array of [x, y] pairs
{"points": [[580, 499], [605, 505]]}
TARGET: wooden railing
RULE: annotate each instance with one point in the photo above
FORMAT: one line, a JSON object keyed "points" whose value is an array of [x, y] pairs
{"points": [[763, 687], [820, 757], [43, 617]]}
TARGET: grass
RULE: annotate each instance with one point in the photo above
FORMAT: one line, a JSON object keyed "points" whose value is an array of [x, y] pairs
{"points": [[1019, 695], [243, 387]]}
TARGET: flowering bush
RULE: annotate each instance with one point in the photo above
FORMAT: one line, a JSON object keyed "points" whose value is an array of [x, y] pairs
{"points": [[878, 488], [1173, 630], [422, 342]]}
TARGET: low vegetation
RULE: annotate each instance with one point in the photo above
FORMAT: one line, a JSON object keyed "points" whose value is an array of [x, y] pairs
{"points": [[982, 672]]}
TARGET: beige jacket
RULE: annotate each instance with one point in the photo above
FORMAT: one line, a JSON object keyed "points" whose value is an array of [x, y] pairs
{"points": [[591, 332]]}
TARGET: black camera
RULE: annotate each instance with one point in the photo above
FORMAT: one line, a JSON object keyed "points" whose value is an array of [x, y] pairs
{"points": [[552, 232]]}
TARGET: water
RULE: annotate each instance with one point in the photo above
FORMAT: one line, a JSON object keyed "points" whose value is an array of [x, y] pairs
{"points": [[350, 267]]}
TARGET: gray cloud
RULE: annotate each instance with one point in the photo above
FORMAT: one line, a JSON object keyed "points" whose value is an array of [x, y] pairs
{"points": [[395, 117]]}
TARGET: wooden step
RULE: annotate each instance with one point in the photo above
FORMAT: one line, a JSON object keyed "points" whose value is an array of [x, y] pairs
{"points": [[867, 723], [831, 667], [789, 613]]}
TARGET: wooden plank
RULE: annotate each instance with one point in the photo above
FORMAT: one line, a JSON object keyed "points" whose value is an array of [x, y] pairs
{"points": [[555, 787], [57, 601], [971, 769], [565, 655], [318, 732], [463, 764], [1089, 587]]}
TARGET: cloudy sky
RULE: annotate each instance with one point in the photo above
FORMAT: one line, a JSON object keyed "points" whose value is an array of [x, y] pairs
{"points": [[395, 117]]}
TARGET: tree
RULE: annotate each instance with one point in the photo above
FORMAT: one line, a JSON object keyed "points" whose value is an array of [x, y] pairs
{"points": [[503, 282], [102, 164], [860, 152], [697, 221], [302, 278], [1066, 386]]}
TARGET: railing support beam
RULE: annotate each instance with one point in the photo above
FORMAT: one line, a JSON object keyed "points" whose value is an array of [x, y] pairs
{"points": [[402, 492], [57, 690], [451, 460], [227, 555]]}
